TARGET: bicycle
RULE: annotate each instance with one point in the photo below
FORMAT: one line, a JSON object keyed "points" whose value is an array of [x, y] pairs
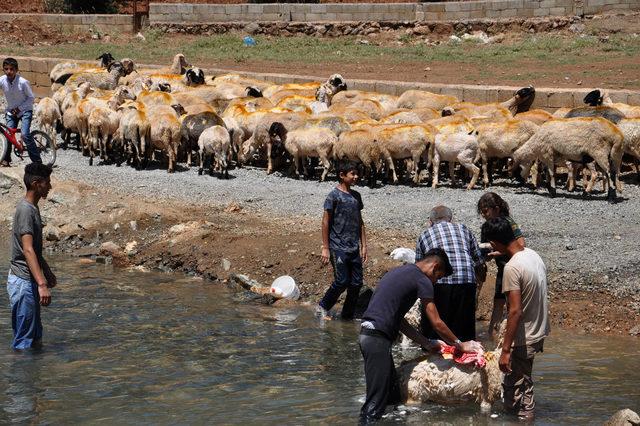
{"points": [[43, 142]]}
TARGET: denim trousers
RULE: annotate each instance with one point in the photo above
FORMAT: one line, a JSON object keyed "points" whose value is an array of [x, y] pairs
{"points": [[347, 275], [25, 312], [32, 149]]}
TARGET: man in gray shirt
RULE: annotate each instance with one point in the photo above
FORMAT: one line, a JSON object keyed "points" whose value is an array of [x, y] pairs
{"points": [[30, 277]]}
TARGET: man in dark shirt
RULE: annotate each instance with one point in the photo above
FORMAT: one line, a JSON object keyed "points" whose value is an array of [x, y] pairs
{"points": [[29, 276], [395, 294]]}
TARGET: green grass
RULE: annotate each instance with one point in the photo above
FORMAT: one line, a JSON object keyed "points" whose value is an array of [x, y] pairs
{"points": [[207, 50]]}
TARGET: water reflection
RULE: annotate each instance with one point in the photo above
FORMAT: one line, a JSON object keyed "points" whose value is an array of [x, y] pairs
{"points": [[131, 347]]}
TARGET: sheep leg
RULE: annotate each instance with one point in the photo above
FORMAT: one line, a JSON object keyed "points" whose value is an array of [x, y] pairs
{"points": [[189, 151], [269, 160], [485, 175], [325, 167], [201, 155], [452, 173], [473, 170], [392, 169], [436, 170], [551, 178], [416, 167], [571, 176]]}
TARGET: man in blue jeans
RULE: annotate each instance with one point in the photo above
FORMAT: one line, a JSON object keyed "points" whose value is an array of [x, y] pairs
{"points": [[30, 277], [19, 96], [344, 242]]}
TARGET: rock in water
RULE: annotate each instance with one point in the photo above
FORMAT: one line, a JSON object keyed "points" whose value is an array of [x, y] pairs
{"points": [[51, 233]]}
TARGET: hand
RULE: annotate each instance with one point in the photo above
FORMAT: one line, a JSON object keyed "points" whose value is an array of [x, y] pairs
{"points": [[470, 346], [493, 255], [505, 362], [363, 254], [325, 255], [45, 295], [15, 111], [434, 346]]}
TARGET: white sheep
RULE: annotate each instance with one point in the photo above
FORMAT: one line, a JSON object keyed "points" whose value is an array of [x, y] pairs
{"points": [[235, 133], [47, 113], [305, 142], [583, 140], [102, 126], [134, 133], [500, 140], [456, 147], [215, 141], [360, 145], [101, 80]]}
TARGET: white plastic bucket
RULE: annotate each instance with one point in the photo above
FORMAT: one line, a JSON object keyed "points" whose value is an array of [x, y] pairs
{"points": [[285, 287]]}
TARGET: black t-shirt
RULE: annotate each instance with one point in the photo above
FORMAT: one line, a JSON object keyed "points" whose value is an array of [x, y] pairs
{"points": [[395, 294]]}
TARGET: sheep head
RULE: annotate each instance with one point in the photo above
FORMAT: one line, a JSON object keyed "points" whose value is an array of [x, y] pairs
{"points": [[593, 98], [524, 98], [277, 133], [179, 109], [253, 92], [105, 59], [447, 111], [129, 66], [194, 77], [338, 82], [117, 68]]}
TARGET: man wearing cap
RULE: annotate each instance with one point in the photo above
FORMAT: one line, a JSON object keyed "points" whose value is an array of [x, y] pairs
{"points": [[455, 295], [394, 295]]}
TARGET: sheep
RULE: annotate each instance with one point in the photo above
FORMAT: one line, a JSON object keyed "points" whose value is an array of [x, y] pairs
{"points": [[334, 123], [108, 80], [601, 97], [260, 136], [370, 107], [259, 85], [274, 92], [215, 141], [630, 128], [192, 127], [436, 379], [422, 99], [456, 147], [61, 72], [582, 139], [165, 132], [327, 90], [536, 116], [614, 115], [360, 145], [346, 97], [102, 125], [134, 133], [401, 117], [236, 134], [624, 417], [405, 141], [305, 142], [296, 102], [47, 113], [500, 140], [74, 96]]}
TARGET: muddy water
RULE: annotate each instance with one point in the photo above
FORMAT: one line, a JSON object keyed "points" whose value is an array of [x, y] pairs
{"points": [[132, 347]]}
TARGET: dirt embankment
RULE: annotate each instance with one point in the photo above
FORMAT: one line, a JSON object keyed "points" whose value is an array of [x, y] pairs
{"points": [[217, 241]]}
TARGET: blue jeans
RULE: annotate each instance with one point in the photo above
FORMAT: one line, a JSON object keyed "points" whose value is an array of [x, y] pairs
{"points": [[25, 312], [32, 149], [347, 275]]}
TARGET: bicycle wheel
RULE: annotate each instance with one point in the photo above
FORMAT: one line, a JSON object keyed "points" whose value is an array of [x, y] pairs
{"points": [[4, 146], [45, 147]]}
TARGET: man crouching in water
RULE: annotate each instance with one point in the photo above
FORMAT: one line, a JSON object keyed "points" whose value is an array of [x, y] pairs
{"points": [[395, 294]]}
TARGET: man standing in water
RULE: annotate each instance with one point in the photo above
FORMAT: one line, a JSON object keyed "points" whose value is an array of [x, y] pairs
{"points": [[525, 284], [395, 294], [30, 277]]}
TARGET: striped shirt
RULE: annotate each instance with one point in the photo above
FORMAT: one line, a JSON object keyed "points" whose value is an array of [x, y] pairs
{"points": [[18, 93], [461, 247]]}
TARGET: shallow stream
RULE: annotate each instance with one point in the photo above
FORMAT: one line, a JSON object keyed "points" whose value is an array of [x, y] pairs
{"points": [[128, 347]]}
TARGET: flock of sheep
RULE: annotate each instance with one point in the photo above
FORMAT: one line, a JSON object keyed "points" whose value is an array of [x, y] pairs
{"points": [[124, 113]]}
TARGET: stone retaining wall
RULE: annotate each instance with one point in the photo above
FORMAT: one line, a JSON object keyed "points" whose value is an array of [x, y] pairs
{"points": [[346, 12], [36, 70], [103, 23]]}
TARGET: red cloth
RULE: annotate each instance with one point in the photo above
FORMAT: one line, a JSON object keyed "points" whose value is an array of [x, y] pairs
{"points": [[476, 358]]}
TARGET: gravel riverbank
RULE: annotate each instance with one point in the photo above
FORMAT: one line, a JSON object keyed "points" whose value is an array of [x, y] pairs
{"points": [[588, 244]]}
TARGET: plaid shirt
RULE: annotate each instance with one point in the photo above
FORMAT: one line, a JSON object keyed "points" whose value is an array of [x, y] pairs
{"points": [[461, 247]]}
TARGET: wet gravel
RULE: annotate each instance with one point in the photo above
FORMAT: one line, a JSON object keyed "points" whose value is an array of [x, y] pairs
{"points": [[587, 244]]}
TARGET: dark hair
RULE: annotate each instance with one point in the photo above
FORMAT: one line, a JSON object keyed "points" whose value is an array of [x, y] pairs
{"points": [[442, 257], [491, 200], [499, 230], [10, 61], [34, 172], [344, 167]]}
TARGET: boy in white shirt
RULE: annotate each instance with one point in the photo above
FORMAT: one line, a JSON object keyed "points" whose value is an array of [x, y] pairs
{"points": [[17, 92]]}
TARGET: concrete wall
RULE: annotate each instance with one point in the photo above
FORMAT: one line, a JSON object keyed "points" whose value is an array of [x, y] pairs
{"points": [[36, 70], [104, 23], [446, 11]]}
